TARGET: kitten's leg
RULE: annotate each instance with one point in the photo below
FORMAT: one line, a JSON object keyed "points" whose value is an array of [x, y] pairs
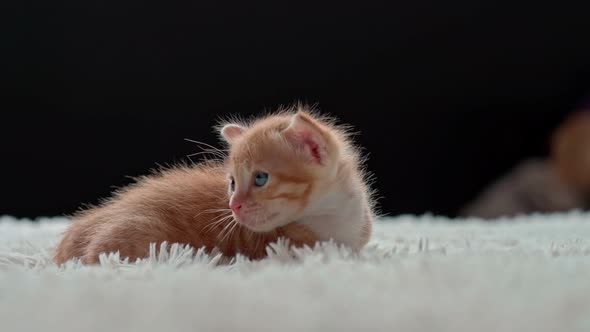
{"points": [[67, 248], [129, 243], [75, 239], [97, 247]]}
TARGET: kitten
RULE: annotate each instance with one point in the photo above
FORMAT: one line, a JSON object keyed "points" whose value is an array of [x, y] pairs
{"points": [[291, 174]]}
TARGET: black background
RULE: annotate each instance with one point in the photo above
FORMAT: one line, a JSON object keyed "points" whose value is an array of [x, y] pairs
{"points": [[447, 95]]}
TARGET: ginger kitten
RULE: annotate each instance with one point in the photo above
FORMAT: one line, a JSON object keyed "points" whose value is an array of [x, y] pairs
{"points": [[291, 174]]}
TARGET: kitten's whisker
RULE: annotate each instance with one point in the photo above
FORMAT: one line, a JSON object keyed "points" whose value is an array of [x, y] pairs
{"points": [[216, 151], [206, 153], [235, 228], [206, 145], [211, 227], [220, 217], [217, 210], [227, 227], [225, 219], [207, 150], [212, 211], [216, 223], [230, 231]]}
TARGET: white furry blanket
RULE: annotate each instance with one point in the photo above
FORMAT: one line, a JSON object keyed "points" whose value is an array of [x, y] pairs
{"points": [[417, 274]]}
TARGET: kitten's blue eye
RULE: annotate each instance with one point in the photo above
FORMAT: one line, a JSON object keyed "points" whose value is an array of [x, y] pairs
{"points": [[261, 179], [232, 184]]}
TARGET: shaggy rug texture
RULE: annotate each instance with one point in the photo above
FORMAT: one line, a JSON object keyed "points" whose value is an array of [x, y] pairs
{"points": [[419, 273]]}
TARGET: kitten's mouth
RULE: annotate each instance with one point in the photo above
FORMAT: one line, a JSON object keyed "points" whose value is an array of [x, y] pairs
{"points": [[258, 224]]}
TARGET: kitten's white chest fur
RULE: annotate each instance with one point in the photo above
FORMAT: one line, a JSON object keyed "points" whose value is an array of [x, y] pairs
{"points": [[340, 216]]}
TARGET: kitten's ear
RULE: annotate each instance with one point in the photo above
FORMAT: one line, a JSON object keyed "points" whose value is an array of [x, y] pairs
{"points": [[306, 134], [231, 131]]}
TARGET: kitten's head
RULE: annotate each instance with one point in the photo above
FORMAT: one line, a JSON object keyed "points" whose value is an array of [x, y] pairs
{"points": [[277, 163]]}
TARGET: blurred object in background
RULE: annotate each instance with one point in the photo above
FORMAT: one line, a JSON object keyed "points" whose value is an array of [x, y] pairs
{"points": [[560, 182], [571, 151]]}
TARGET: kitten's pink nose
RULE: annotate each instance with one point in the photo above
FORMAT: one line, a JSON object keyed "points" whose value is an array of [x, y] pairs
{"points": [[235, 206]]}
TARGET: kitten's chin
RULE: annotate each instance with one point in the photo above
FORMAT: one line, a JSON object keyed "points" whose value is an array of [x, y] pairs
{"points": [[261, 226]]}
